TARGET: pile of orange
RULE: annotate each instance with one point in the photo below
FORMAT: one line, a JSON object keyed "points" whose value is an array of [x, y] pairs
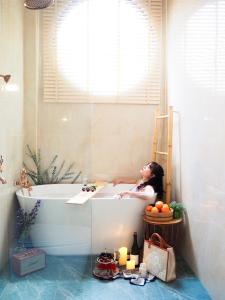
{"points": [[159, 207]]}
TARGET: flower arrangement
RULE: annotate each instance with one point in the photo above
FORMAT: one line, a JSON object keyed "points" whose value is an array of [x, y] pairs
{"points": [[24, 221]]}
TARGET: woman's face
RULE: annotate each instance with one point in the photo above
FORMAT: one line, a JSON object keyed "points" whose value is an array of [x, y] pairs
{"points": [[146, 172]]}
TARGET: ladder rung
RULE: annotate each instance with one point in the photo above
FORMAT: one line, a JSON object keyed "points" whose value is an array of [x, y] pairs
{"points": [[162, 153], [162, 117]]}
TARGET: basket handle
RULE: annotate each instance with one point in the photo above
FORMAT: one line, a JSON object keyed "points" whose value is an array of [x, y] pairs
{"points": [[157, 240]]}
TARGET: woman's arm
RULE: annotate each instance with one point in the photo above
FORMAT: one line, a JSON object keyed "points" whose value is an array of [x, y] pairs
{"points": [[124, 180], [147, 194]]}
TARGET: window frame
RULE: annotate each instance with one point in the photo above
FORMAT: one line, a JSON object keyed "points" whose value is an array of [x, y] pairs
{"points": [[102, 99]]}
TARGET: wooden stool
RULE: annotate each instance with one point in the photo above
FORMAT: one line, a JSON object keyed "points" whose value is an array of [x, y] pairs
{"points": [[168, 230]]}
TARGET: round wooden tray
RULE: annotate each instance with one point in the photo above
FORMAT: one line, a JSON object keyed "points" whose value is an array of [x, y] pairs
{"points": [[159, 222], [156, 219], [160, 216]]}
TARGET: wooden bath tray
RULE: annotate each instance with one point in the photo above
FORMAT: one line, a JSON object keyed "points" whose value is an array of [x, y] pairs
{"points": [[83, 197]]}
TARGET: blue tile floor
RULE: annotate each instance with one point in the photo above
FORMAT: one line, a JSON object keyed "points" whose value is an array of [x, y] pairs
{"points": [[70, 278]]}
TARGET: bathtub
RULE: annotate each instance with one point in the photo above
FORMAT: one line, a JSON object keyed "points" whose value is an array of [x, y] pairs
{"points": [[73, 229]]}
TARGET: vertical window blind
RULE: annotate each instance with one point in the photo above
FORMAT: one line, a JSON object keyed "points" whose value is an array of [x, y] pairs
{"points": [[101, 51]]}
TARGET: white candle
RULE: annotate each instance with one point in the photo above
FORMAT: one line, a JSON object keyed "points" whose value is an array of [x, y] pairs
{"points": [[142, 269], [123, 256], [130, 264]]}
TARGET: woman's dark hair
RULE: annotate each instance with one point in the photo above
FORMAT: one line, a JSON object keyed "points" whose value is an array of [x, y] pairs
{"points": [[155, 181]]}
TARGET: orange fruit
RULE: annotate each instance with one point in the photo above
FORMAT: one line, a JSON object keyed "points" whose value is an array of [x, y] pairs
{"points": [[159, 205], [154, 210], [149, 208], [165, 208]]}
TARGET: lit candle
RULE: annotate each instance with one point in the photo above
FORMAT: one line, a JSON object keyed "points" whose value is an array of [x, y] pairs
{"points": [[130, 264], [123, 256]]}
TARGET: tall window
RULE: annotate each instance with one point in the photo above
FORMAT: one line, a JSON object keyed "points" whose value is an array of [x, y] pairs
{"points": [[102, 51]]}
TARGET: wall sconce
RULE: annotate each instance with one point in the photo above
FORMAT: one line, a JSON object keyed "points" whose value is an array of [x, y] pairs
{"points": [[5, 77]]}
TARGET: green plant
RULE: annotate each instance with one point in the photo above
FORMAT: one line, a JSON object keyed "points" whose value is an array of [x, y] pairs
{"points": [[51, 174], [178, 209]]}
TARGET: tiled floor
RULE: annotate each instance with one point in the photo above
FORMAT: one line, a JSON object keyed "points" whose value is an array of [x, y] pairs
{"points": [[70, 278]]}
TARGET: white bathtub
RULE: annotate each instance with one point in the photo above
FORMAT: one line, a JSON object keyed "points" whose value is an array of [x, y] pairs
{"points": [[72, 229]]}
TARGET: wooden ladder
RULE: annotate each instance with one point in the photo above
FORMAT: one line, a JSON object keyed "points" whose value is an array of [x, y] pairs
{"points": [[168, 154]]}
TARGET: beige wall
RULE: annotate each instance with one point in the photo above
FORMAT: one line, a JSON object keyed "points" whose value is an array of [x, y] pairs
{"points": [[104, 140], [196, 89], [11, 114]]}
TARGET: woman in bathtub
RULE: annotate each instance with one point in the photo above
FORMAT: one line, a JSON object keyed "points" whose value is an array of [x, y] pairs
{"points": [[150, 187]]}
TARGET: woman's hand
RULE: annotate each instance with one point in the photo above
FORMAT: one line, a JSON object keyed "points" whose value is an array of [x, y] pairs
{"points": [[122, 194], [117, 181]]}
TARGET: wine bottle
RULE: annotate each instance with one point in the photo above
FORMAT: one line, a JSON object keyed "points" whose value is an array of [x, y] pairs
{"points": [[135, 250]]}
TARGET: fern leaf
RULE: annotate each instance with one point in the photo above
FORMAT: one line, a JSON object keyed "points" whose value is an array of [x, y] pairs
{"points": [[51, 163], [76, 177], [59, 171], [32, 155], [51, 179], [63, 177], [66, 177], [29, 150], [29, 170], [70, 174], [33, 178], [38, 156], [46, 177]]}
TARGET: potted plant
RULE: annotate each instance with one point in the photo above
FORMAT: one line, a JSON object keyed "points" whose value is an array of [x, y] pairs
{"points": [[52, 174], [178, 209]]}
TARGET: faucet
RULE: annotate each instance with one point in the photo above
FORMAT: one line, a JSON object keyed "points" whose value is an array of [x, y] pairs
{"points": [[23, 181], [2, 179]]}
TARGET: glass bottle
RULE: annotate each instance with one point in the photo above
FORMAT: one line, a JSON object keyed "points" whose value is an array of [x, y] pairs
{"points": [[135, 250]]}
